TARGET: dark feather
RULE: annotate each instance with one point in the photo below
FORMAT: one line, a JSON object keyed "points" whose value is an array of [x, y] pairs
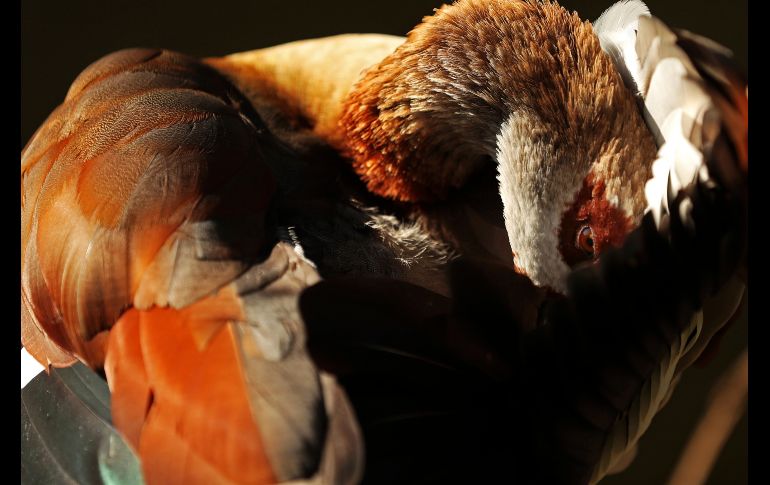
{"points": [[67, 434]]}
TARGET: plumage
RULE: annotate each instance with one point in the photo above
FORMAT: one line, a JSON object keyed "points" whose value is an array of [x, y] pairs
{"points": [[617, 30], [205, 201], [173, 257]]}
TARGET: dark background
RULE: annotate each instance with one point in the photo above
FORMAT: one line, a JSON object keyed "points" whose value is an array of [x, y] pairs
{"points": [[59, 39]]}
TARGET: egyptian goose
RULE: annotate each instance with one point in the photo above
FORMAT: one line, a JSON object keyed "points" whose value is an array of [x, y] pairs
{"points": [[174, 210]]}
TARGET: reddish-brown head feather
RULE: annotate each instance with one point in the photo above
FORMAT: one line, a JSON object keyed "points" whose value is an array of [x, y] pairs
{"points": [[609, 224], [425, 118], [525, 84]]}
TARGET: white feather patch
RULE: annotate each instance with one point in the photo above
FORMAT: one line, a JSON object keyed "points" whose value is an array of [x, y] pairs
{"points": [[679, 110], [616, 29]]}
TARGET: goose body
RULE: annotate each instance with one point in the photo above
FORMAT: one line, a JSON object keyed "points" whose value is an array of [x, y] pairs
{"points": [[216, 209]]}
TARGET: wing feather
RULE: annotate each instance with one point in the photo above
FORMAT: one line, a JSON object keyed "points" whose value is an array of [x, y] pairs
{"points": [[692, 97], [145, 248], [124, 186]]}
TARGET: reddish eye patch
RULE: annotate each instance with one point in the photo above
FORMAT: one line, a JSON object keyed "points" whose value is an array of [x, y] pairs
{"points": [[591, 224]]}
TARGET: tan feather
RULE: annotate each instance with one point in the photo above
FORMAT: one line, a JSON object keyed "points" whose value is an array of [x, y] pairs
{"points": [[295, 88]]}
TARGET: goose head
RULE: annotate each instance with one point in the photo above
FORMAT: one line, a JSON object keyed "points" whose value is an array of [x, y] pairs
{"points": [[524, 85]]}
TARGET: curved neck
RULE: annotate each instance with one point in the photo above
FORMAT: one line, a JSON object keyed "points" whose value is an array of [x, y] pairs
{"points": [[526, 85], [428, 116]]}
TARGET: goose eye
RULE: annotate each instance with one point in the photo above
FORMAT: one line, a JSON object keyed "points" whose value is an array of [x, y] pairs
{"points": [[585, 240]]}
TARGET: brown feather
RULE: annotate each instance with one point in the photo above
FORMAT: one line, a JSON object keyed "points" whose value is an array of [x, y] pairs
{"points": [[184, 379], [136, 161], [294, 86], [39, 345], [426, 118], [143, 198]]}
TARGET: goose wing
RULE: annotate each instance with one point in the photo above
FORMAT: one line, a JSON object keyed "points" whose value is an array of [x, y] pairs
{"points": [[147, 251]]}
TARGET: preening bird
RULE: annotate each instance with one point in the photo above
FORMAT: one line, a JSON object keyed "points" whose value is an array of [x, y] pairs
{"points": [[178, 216]]}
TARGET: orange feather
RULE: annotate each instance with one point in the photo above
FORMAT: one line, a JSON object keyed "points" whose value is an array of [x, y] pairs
{"points": [[190, 402]]}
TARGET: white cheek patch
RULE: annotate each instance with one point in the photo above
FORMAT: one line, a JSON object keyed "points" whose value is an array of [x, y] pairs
{"points": [[536, 188]]}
